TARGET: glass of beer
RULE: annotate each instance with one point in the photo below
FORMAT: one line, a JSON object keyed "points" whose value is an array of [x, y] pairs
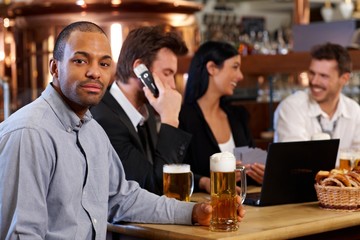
{"points": [[346, 159], [178, 181], [356, 166], [223, 191]]}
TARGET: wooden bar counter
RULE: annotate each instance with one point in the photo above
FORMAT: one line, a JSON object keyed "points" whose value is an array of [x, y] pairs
{"points": [[272, 222]]}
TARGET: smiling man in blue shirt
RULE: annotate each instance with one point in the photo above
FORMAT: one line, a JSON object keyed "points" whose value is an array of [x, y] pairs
{"points": [[60, 178]]}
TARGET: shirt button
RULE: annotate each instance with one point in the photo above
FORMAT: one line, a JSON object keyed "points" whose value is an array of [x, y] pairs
{"points": [[94, 220], [69, 130], [84, 193]]}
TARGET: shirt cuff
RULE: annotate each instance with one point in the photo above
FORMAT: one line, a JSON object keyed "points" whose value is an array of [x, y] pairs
{"points": [[183, 212]]}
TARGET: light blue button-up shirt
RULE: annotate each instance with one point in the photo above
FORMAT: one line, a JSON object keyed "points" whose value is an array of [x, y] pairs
{"points": [[60, 178]]}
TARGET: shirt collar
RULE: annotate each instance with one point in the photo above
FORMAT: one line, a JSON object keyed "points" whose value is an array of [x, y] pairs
{"points": [[64, 113], [341, 110], [135, 116]]}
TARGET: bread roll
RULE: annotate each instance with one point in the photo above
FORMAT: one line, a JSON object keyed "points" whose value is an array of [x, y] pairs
{"points": [[321, 175], [332, 182], [354, 178], [342, 178], [338, 178], [337, 171]]}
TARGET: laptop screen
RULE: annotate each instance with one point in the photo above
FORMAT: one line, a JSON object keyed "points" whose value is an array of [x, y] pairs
{"points": [[291, 168]]}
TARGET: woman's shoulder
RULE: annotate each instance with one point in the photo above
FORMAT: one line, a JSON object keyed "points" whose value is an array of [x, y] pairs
{"points": [[189, 116]]}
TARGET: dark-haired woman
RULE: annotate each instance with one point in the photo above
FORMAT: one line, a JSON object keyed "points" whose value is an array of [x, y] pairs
{"points": [[215, 125]]}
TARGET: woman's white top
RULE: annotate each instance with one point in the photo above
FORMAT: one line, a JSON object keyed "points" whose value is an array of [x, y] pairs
{"points": [[228, 146]]}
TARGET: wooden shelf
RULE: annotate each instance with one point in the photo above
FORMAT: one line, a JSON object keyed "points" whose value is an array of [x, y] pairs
{"points": [[294, 62], [270, 64], [290, 63]]}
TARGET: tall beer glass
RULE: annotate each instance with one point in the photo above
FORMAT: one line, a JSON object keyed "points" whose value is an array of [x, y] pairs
{"points": [[346, 158], [178, 181], [223, 191]]}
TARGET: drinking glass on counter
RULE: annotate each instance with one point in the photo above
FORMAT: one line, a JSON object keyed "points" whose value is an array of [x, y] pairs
{"points": [[349, 159], [223, 191], [178, 181]]}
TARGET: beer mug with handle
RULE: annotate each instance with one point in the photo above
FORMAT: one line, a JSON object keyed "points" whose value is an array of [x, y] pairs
{"points": [[178, 181], [223, 191]]}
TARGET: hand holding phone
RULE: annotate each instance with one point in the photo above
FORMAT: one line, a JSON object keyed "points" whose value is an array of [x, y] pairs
{"points": [[143, 73]]}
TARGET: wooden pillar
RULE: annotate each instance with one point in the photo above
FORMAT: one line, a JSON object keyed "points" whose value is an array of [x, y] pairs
{"points": [[301, 12]]}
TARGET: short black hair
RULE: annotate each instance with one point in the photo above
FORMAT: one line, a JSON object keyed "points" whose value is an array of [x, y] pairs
{"points": [[331, 51], [82, 26]]}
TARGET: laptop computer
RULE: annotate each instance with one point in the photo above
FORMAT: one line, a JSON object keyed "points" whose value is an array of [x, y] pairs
{"points": [[290, 171]]}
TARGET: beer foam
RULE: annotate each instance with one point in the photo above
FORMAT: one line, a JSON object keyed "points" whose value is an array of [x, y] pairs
{"points": [[176, 168], [222, 162], [346, 154]]}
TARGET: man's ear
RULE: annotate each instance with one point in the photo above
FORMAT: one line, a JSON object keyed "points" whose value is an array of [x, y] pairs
{"points": [[137, 62], [53, 65], [344, 78]]}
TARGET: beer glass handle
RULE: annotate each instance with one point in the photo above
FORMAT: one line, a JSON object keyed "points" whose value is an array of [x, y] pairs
{"points": [[192, 184], [242, 171]]}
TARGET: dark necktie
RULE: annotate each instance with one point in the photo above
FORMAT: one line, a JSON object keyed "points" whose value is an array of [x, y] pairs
{"points": [[143, 135], [328, 131]]}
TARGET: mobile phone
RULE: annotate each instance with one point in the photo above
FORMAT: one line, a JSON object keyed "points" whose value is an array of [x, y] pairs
{"points": [[143, 73]]}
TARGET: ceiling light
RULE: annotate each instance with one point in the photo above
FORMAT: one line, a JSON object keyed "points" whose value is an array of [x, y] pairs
{"points": [[115, 2], [81, 3]]}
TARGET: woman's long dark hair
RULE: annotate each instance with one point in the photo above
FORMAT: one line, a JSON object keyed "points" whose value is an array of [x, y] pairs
{"points": [[198, 79]]}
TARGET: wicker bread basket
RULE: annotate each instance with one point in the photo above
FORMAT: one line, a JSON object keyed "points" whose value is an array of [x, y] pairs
{"points": [[338, 198]]}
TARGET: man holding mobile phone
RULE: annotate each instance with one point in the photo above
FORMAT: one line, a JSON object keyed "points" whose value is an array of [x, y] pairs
{"points": [[128, 109]]}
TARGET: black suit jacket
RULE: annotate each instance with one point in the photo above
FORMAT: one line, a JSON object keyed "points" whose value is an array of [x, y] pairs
{"points": [[168, 146], [203, 143]]}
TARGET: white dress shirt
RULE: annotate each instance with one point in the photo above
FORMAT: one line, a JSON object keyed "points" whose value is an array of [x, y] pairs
{"points": [[299, 117], [135, 116]]}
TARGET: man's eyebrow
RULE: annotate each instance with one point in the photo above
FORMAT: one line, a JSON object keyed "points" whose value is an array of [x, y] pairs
{"points": [[82, 53], [86, 54], [169, 70], [107, 57]]}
